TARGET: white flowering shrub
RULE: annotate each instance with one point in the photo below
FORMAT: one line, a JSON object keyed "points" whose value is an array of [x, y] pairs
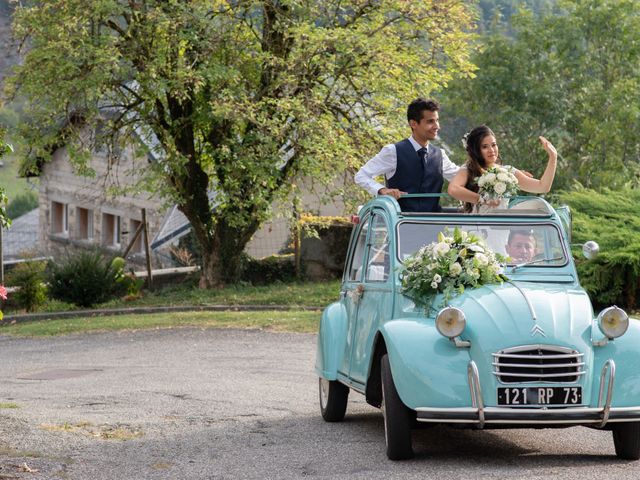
{"points": [[448, 266], [497, 182]]}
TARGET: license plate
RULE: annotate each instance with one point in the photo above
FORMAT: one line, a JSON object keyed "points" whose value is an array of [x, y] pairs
{"points": [[540, 396]]}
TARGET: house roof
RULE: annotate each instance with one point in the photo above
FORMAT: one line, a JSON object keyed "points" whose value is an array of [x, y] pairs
{"points": [[21, 236], [174, 226]]}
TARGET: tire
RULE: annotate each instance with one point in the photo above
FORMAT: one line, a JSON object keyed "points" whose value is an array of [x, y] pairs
{"points": [[626, 439], [397, 417], [333, 399]]}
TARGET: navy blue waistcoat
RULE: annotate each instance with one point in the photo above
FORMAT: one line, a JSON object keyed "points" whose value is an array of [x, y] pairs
{"points": [[414, 176]]}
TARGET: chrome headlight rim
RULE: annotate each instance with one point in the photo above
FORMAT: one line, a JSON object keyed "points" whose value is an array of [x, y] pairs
{"points": [[451, 322], [621, 319]]}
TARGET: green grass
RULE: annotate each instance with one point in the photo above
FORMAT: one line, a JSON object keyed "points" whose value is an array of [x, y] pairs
{"points": [[289, 321], [310, 294]]}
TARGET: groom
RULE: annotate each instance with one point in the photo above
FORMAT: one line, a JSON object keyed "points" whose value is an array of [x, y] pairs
{"points": [[412, 165]]}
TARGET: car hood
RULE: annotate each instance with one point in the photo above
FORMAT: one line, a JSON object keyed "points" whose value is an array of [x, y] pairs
{"points": [[523, 313]]}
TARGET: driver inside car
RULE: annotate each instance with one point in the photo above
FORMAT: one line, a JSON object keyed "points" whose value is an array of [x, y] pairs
{"points": [[521, 246]]}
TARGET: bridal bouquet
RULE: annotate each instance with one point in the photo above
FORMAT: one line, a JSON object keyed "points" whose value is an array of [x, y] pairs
{"points": [[497, 182], [448, 266]]}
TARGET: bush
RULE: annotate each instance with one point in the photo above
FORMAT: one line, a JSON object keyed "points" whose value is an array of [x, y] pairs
{"points": [[29, 277], [86, 279], [22, 203], [611, 219], [276, 268]]}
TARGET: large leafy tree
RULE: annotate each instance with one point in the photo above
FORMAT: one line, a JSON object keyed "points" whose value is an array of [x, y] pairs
{"points": [[240, 96], [573, 76]]}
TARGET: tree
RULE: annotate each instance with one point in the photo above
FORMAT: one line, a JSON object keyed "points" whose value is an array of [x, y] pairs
{"points": [[572, 76], [241, 96]]}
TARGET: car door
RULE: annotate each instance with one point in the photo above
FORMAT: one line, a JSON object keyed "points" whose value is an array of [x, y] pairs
{"points": [[376, 301], [352, 287]]}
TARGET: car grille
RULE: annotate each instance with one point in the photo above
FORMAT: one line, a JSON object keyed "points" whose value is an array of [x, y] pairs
{"points": [[538, 363]]}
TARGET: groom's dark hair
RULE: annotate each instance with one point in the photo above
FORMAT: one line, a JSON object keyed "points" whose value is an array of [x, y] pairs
{"points": [[419, 105]]}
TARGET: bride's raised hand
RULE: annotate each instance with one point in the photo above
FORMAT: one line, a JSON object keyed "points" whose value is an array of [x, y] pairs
{"points": [[548, 146]]}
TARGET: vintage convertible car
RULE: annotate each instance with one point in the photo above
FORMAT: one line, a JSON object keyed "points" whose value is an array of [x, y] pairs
{"points": [[528, 352]]}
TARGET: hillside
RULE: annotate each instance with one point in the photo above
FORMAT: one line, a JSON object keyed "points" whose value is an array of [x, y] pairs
{"points": [[8, 47]]}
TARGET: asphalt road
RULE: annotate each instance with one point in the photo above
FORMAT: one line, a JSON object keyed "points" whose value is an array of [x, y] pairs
{"points": [[227, 404]]}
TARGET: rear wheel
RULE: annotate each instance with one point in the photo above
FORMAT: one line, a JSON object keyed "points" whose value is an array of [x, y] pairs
{"points": [[626, 439], [333, 400], [397, 417]]}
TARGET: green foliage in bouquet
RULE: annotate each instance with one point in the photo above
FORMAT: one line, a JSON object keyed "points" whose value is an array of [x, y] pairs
{"points": [[610, 218], [448, 266]]}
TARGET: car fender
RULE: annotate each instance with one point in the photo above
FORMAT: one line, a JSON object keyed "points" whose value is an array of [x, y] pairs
{"points": [[626, 355], [428, 370], [332, 339]]}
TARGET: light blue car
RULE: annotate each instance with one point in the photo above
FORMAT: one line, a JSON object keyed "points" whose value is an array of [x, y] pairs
{"points": [[525, 353]]}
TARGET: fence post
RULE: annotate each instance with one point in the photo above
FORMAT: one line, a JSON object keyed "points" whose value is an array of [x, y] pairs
{"points": [[146, 246]]}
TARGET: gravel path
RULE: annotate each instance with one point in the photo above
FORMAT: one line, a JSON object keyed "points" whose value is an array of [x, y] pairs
{"points": [[226, 404]]}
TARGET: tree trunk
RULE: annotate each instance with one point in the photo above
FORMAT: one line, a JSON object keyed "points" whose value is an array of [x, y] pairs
{"points": [[222, 252]]}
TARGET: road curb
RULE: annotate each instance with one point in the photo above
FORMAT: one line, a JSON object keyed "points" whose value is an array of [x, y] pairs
{"points": [[27, 317]]}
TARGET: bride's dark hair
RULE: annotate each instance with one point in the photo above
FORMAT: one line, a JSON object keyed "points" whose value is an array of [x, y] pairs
{"points": [[475, 163]]}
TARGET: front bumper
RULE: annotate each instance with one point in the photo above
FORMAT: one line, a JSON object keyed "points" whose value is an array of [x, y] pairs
{"points": [[479, 415]]}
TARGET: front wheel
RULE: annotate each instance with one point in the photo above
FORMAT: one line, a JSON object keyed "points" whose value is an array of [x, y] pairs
{"points": [[626, 439], [397, 417], [333, 400]]}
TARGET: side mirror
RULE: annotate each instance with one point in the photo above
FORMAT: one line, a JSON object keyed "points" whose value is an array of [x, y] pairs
{"points": [[590, 250]]}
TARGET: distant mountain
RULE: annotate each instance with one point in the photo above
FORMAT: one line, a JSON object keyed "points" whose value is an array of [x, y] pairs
{"points": [[497, 13], [8, 48]]}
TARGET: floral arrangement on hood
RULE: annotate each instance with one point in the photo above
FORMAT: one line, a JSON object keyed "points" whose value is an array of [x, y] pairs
{"points": [[448, 266]]}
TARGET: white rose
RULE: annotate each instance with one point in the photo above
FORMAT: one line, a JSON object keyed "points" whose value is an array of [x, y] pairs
{"points": [[437, 278], [455, 269], [500, 188], [442, 248], [482, 258], [490, 177], [434, 285], [503, 177], [481, 181]]}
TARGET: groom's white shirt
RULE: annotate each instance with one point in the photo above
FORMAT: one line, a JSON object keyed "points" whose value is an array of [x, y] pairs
{"points": [[385, 162]]}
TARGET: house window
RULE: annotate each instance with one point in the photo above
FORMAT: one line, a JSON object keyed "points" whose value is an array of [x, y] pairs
{"points": [[133, 228], [111, 230], [59, 218], [84, 224]]}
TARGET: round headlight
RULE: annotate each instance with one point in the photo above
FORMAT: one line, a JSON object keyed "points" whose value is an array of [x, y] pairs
{"points": [[450, 322], [613, 322]]}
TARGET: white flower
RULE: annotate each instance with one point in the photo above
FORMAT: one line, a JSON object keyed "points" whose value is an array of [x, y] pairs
{"points": [[437, 278], [481, 181], [476, 248], [489, 177], [482, 258], [455, 269], [500, 188], [504, 177], [442, 249], [434, 285]]}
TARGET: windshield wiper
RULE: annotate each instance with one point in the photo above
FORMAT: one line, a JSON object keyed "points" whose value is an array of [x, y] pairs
{"points": [[533, 262]]}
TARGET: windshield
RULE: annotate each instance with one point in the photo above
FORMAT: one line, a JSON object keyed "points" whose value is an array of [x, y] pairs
{"points": [[537, 243]]}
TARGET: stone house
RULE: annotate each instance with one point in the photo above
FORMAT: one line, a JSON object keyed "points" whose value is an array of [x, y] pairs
{"points": [[77, 211]]}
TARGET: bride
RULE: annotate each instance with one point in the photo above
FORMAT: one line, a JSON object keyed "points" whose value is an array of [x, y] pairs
{"points": [[482, 151]]}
